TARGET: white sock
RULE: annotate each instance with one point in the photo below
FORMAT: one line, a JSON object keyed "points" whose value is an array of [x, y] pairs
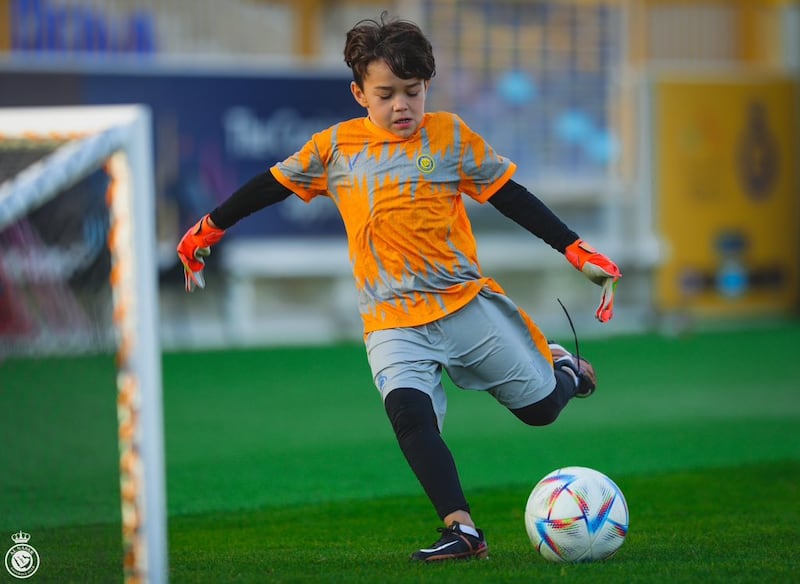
{"points": [[572, 373], [468, 530]]}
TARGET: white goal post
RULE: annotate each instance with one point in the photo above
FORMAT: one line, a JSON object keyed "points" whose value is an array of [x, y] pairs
{"points": [[117, 138]]}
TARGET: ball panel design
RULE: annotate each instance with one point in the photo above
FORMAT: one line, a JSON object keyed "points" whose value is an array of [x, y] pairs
{"points": [[576, 514]]}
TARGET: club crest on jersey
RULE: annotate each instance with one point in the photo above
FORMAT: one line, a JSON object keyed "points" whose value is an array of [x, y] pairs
{"points": [[425, 163]]}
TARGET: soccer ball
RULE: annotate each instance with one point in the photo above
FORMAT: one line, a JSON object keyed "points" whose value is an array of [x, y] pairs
{"points": [[576, 514]]}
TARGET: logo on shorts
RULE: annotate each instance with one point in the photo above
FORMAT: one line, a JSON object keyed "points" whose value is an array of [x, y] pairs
{"points": [[22, 560], [425, 163]]}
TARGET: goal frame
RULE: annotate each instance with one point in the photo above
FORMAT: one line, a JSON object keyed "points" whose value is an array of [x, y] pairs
{"points": [[119, 138]]}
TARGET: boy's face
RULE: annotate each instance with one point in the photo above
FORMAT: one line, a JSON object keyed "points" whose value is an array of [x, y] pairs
{"points": [[394, 104]]}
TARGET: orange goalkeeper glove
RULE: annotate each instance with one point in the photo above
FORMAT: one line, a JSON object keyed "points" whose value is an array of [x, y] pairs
{"points": [[600, 270], [194, 246]]}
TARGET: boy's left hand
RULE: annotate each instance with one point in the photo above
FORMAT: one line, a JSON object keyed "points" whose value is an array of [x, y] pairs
{"points": [[600, 270]]}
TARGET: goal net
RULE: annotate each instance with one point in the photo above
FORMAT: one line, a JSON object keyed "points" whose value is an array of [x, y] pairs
{"points": [[78, 274]]}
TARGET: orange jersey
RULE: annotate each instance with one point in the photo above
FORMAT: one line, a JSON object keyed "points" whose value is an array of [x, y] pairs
{"points": [[411, 245]]}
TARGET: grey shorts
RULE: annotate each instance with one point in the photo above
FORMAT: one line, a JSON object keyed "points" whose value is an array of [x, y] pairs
{"points": [[485, 346]]}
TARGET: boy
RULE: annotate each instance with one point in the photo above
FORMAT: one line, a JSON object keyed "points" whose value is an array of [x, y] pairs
{"points": [[397, 176]]}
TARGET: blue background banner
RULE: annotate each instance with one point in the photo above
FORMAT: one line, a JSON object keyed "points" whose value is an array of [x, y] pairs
{"points": [[212, 132]]}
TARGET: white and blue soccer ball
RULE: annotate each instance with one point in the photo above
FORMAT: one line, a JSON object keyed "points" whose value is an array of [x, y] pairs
{"points": [[576, 514]]}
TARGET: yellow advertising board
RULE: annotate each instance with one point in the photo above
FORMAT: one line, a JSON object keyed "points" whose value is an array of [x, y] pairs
{"points": [[5, 26], [727, 204]]}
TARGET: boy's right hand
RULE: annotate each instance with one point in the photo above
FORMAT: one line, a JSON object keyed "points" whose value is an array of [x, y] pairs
{"points": [[194, 246]]}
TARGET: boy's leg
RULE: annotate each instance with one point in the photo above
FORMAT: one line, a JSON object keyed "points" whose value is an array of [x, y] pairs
{"points": [[546, 411], [407, 358], [574, 378], [414, 422], [530, 376], [415, 425]]}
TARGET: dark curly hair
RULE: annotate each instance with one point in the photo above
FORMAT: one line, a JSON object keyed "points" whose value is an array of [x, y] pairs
{"points": [[400, 43]]}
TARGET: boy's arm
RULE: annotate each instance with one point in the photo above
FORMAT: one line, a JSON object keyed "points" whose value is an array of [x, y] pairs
{"points": [[259, 192], [517, 203]]}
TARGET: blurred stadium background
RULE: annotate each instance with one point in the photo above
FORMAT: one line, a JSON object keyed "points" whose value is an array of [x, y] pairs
{"points": [[665, 132]]}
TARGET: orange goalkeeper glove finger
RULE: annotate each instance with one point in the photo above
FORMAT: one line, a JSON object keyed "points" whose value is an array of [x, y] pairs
{"points": [[194, 246], [605, 311], [600, 270]]}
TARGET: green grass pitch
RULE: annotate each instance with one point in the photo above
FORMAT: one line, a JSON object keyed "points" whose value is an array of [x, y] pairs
{"points": [[281, 466]]}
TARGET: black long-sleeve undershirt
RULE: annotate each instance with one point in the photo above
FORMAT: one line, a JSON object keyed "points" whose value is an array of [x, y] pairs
{"points": [[260, 191], [523, 207], [512, 200]]}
